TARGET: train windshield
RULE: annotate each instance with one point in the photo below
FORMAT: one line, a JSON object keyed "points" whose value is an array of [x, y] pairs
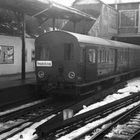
{"points": [[44, 53], [55, 52]]}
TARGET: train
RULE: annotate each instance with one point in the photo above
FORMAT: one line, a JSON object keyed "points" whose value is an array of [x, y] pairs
{"points": [[74, 63]]}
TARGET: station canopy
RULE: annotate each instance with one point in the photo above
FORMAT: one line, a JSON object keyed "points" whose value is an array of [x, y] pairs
{"points": [[45, 9], [92, 7]]}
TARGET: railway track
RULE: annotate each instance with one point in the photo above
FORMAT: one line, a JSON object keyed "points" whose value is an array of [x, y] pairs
{"points": [[52, 111], [75, 126], [15, 121], [126, 127]]}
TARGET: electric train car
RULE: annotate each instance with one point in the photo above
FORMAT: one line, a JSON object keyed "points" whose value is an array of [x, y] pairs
{"points": [[71, 62]]}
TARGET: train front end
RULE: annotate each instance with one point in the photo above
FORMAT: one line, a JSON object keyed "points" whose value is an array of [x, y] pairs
{"points": [[56, 64]]}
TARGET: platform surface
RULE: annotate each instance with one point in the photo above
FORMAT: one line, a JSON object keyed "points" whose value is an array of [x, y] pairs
{"points": [[14, 80]]}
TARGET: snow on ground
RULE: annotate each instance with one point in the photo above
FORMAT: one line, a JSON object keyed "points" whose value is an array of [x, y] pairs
{"points": [[108, 99], [131, 87], [74, 134], [28, 133]]}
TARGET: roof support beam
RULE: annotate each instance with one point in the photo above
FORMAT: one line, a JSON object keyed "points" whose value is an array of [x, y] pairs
{"points": [[41, 12]]}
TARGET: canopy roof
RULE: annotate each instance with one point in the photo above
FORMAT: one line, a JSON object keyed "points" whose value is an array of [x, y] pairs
{"points": [[45, 9]]}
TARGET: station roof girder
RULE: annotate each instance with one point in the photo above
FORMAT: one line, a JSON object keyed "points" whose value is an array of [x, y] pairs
{"points": [[47, 9]]}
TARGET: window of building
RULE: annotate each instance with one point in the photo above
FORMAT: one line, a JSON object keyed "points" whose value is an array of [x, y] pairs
{"points": [[128, 18]]}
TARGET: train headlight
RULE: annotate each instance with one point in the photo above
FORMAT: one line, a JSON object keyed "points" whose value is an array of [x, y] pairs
{"points": [[71, 75], [41, 74]]}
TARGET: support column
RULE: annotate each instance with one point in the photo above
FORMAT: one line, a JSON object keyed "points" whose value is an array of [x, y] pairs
{"points": [[23, 76]]}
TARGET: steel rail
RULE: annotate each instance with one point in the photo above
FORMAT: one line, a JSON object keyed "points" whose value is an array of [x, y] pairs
{"points": [[32, 119], [115, 121], [69, 125]]}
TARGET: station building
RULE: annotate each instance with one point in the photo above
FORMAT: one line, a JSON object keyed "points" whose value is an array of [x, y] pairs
{"points": [[128, 22], [11, 52], [119, 21], [11, 44]]}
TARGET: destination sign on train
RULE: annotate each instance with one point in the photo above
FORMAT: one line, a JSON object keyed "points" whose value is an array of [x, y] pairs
{"points": [[44, 63]]}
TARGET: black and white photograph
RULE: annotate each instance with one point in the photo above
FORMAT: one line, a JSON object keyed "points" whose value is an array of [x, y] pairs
{"points": [[69, 69]]}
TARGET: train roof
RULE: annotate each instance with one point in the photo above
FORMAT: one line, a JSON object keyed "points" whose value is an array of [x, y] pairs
{"points": [[101, 41], [96, 40]]}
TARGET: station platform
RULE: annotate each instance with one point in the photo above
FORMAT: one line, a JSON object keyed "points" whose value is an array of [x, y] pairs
{"points": [[13, 80], [14, 89]]}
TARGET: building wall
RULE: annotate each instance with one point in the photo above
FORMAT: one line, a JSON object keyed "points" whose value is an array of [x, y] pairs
{"points": [[11, 53], [106, 25]]}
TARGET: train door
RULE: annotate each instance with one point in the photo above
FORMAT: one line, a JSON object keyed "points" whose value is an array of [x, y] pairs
{"points": [[90, 64]]}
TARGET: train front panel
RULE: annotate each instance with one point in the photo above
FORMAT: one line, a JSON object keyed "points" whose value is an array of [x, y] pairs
{"points": [[56, 60]]}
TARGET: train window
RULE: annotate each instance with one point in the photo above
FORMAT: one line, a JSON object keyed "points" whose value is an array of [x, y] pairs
{"points": [[104, 59], [111, 56], [126, 55], [107, 59], [101, 53], [99, 56], [81, 55], [103, 56], [120, 56], [91, 55], [68, 51], [44, 53]]}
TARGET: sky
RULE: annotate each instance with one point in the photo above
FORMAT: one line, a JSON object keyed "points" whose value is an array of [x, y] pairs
{"points": [[69, 2]]}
